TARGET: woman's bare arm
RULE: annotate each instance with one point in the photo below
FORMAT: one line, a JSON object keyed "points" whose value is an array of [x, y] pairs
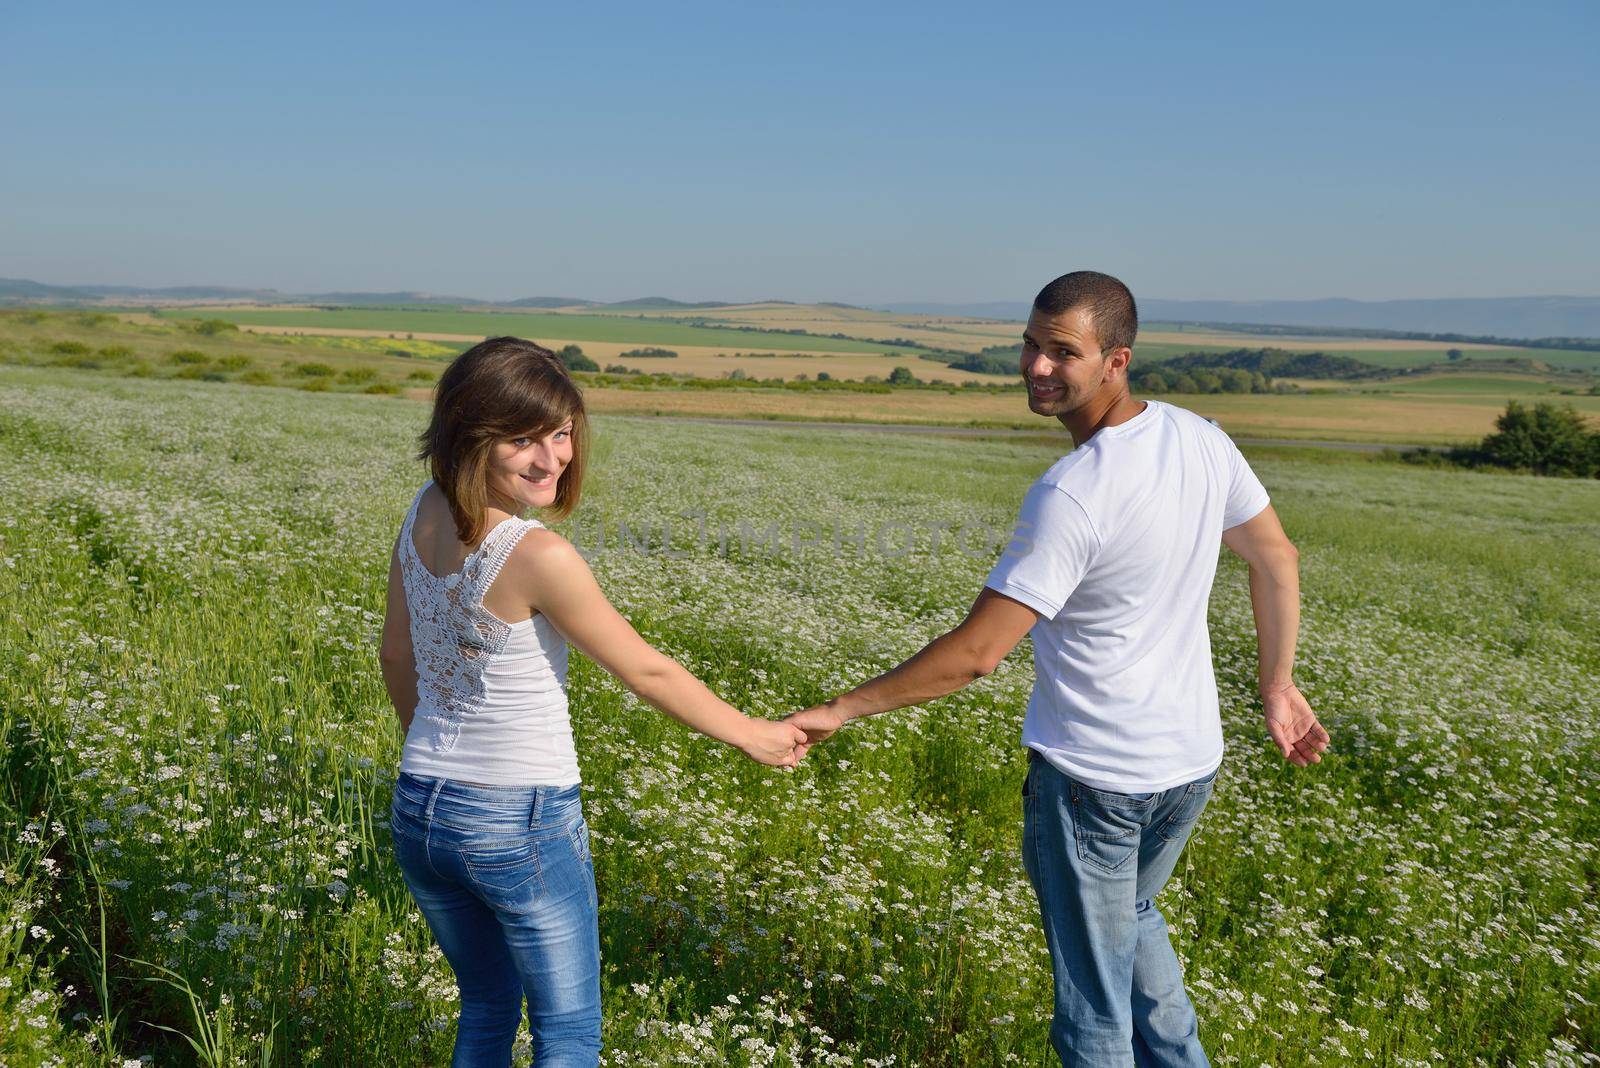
{"points": [[559, 584], [395, 655]]}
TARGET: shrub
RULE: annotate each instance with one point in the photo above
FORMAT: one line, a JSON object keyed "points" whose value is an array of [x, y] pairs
{"points": [[315, 385], [989, 362], [382, 387], [651, 353], [116, 352], [313, 370], [139, 369], [188, 356], [257, 378], [423, 376], [212, 327], [70, 348], [357, 375], [235, 363], [1547, 439], [902, 376], [573, 357]]}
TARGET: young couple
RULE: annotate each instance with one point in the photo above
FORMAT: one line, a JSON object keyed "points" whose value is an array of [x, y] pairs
{"points": [[1110, 570]]}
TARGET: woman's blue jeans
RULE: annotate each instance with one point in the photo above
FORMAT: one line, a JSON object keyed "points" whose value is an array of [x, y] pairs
{"points": [[504, 877], [1097, 860]]}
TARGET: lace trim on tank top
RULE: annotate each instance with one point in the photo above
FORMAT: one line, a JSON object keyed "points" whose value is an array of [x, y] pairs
{"points": [[453, 637]]}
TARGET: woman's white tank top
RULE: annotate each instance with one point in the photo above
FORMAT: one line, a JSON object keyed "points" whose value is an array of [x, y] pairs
{"points": [[491, 695]]}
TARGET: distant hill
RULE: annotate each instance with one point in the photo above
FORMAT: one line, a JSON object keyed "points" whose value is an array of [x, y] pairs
{"points": [[1508, 317], [547, 302], [20, 290], [657, 303], [1494, 318]]}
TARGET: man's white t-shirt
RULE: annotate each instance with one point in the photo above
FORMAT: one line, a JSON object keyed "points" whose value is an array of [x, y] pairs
{"points": [[1116, 549]]}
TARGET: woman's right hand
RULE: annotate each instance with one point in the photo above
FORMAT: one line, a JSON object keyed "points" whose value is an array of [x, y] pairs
{"points": [[768, 742]]}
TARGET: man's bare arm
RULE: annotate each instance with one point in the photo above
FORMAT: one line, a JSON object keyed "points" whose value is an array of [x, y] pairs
{"points": [[1275, 599], [993, 627]]}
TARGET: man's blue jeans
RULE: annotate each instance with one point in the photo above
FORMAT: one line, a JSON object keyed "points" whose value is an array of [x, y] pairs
{"points": [[1097, 860], [504, 877]]}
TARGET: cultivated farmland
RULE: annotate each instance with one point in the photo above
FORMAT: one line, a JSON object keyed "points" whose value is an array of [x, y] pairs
{"points": [[199, 753], [1431, 409]]}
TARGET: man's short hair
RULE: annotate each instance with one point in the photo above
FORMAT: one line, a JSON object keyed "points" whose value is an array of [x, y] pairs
{"points": [[1110, 304]]}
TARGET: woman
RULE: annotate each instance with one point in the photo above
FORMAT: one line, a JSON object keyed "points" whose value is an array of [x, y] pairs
{"points": [[487, 821]]}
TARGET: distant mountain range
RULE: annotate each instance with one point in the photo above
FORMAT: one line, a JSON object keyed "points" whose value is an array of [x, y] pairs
{"points": [[22, 291], [1507, 317], [1514, 317]]}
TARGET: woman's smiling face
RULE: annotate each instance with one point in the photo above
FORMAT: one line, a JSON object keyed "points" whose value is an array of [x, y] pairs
{"points": [[524, 471]]}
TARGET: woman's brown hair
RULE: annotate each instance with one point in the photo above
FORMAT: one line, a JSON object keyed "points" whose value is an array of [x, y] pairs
{"points": [[501, 388]]}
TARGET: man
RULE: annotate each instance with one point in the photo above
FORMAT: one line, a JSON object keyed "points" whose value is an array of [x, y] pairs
{"points": [[1110, 569]]}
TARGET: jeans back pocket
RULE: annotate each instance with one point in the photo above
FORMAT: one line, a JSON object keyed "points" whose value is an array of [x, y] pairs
{"points": [[504, 875], [1106, 825]]}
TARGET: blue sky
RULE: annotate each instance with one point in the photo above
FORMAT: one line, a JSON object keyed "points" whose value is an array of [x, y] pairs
{"points": [[823, 151]]}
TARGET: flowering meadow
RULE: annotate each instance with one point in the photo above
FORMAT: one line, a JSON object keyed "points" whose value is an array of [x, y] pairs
{"points": [[195, 865]]}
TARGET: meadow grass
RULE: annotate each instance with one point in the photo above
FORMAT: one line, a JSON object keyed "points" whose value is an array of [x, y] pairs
{"points": [[200, 753]]}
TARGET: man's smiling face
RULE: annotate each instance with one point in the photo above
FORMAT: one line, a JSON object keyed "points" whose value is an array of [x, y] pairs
{"points": [[1062, 364]]}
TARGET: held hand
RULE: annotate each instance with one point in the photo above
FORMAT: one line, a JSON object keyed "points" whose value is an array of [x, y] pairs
{"points": [[1294, 727], [818, 722], [772, 743]]}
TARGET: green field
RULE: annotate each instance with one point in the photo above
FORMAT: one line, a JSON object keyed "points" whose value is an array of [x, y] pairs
{"points": [[199, 754], [1394, 359], [1492, 385], [535, 326], [1430, 409]]}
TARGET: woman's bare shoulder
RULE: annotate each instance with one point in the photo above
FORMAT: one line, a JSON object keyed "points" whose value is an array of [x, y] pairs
{"points": [[542, 550]]}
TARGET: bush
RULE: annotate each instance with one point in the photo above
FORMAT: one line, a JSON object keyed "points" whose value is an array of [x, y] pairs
{"points": [[989, 362], [382, 387], [575, 360], [235, 363], [116, 352], [212, 327], [257, 378], [1235, 380], [188, 356], [313, 370], [902, 376], [315, 385], [139, 369], [1546, 439], [200, 373], [70, 348], [357, 375], [651, 353], [425, 376]]}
